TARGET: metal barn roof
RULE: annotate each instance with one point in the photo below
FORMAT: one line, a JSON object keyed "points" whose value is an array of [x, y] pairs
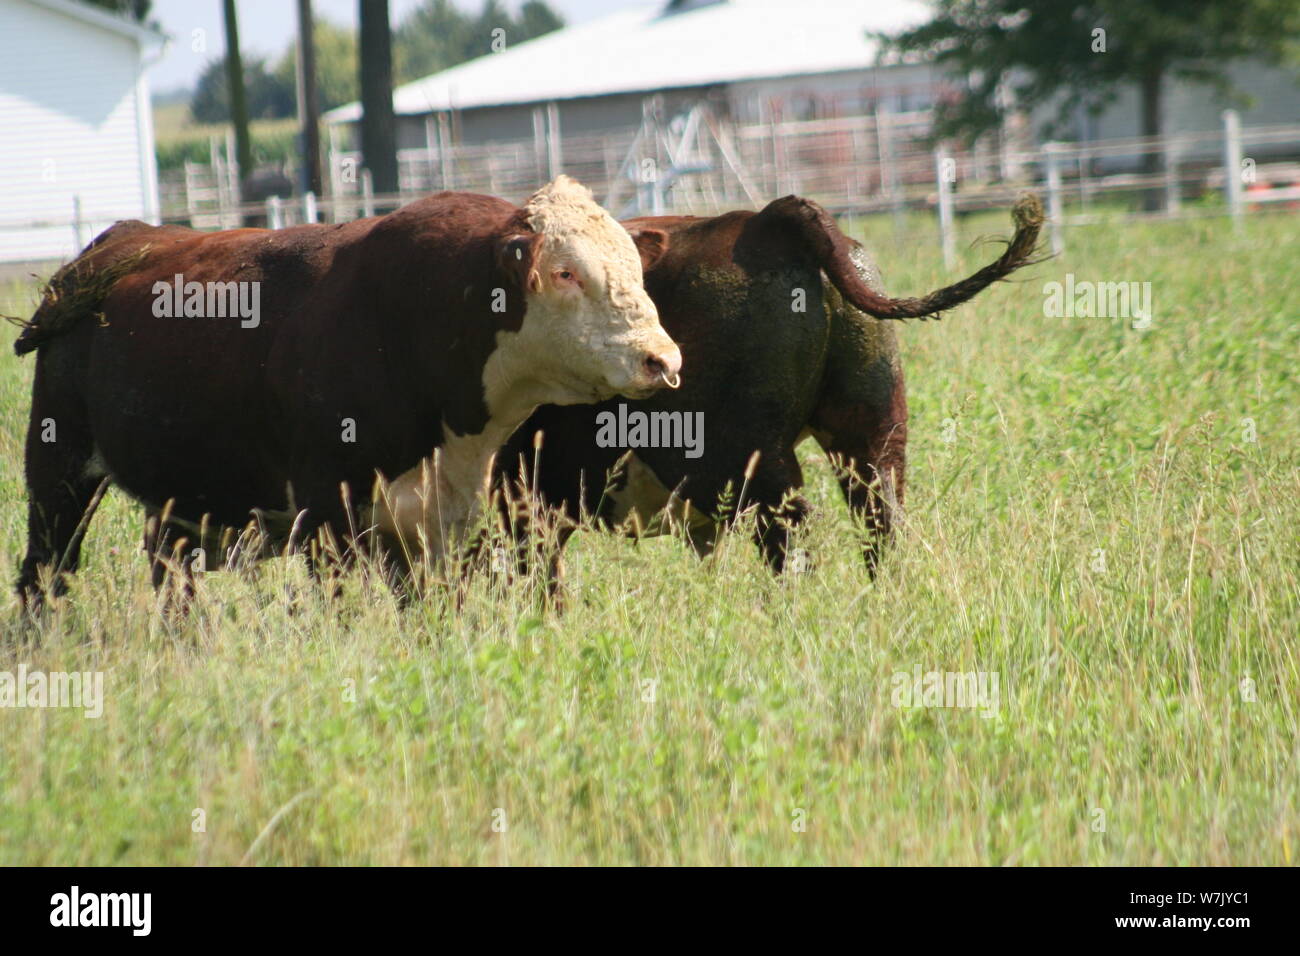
{"points": [[651, 48]]}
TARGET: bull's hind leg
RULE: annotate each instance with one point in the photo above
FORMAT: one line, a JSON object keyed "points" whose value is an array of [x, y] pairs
{"points": [[781, 509], [64, 488], [866, 442]]}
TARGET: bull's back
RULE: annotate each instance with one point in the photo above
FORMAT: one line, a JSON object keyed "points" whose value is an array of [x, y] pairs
{"points": [[172, 368]]}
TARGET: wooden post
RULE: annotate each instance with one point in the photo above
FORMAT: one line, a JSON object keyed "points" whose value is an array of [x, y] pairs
{"points": [[431, 149], [274, 213], [554, 148], [444, 150], [539, 142]]}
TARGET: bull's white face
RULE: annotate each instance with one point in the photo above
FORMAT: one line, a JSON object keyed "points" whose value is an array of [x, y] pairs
{"points": [[590, 330]]}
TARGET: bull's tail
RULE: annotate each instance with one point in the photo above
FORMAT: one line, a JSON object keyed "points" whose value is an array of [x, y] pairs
{"points": [[74, 293], [832, 248]]}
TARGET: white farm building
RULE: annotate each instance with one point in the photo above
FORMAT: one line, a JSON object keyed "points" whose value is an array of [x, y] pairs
{"points": [[668, 80], [696, 105], [76, 129]]}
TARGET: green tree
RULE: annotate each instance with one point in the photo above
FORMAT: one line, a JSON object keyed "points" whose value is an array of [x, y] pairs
{"points": [[133, 9], [269, 96], [536, 18], [1083, 52], [433, 37], [336, 65], [437, 34]]}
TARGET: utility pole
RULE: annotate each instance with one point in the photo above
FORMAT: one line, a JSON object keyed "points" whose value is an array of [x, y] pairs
{"points": [[378, 127], [308, 102], [235, 87]]}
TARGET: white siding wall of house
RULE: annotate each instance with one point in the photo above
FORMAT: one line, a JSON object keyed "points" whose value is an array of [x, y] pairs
{"points": [[75, 126]]}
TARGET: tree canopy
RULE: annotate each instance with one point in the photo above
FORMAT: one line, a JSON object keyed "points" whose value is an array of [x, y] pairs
{"points": [[438, 34], [434, 36], [1072, 53]]}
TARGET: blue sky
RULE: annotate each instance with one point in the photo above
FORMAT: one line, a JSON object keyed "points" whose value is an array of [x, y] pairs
{"points": [[267, 26]]}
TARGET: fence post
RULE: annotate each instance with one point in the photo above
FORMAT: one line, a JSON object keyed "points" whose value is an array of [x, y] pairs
{"points": [[1232, 163], [431, 149], [367, 193], [539, 143], [333, 186], [554, 146], [1084, 167], [1173, 201], [444, 152], [1055, 209], [234, 177], [274, 213], [945, 171], [309, 213]]}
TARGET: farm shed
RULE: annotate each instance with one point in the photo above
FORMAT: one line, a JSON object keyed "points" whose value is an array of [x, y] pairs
{"points": [[76, 127], [815, 54], [733, 101], [576, 98]]}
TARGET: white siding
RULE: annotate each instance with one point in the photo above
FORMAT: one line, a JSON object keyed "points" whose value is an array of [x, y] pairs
{"points": [[70, 95]]}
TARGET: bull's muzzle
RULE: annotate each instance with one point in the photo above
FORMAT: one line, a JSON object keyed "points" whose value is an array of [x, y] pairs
{"points": [[664, 367]]}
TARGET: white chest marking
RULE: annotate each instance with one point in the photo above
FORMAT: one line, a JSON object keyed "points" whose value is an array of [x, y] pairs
{"points": [[646, 507], [428, 509]]}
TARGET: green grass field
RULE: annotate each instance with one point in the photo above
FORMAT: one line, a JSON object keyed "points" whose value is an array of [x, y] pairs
{"points": [[683, 712]]}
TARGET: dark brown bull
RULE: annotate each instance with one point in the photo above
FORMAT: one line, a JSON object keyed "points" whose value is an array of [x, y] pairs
{"points": [[340, 352], [764, 375]]}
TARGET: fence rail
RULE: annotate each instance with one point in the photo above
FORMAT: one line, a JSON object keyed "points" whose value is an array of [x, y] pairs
{"points": [[698, 163]]}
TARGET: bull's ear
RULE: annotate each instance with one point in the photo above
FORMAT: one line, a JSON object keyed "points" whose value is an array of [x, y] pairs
{"points": [[517, 257], [651, 243]]}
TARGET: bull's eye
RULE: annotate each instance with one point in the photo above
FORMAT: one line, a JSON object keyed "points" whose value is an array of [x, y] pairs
{"points": [[566, 279]]}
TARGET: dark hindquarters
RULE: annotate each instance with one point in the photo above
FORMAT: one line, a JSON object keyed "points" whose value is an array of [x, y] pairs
{"points": [[861, 420]]}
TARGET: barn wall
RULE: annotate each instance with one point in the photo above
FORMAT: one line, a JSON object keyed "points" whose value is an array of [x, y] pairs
{"points": [[588, 116], [71, 123], [1194, 107], [898, 88]]}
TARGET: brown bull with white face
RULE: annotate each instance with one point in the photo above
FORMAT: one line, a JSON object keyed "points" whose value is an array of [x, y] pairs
{"points": [[272, 375], [589, 331]]}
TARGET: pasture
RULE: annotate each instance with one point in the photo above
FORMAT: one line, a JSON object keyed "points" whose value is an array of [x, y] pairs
{"points": [[1104, 518]]}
